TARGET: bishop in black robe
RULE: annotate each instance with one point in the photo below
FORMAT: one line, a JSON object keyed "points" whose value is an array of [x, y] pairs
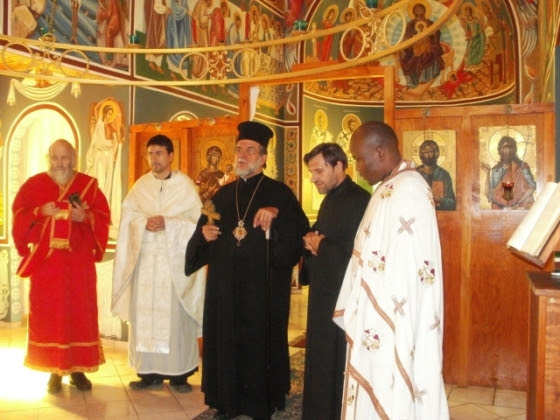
{"points": [[236, 363]]}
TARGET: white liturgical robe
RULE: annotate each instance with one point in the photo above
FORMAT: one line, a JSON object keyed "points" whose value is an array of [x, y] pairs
{"points": [[150, 290], [391, 306]]}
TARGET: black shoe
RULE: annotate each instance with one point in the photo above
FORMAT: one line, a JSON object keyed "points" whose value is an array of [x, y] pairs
{"points": [[146, 384], [79, 380], [181, 387], [55, 384]]}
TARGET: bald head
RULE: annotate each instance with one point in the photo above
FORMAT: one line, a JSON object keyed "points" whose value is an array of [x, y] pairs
{"points": [[374, 146], [62, 161]]}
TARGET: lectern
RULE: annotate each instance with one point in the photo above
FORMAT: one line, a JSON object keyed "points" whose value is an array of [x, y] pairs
{"points": [[543, 393]]}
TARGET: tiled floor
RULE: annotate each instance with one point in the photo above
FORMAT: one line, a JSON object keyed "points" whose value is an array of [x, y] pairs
{"points": [[23, 395]]}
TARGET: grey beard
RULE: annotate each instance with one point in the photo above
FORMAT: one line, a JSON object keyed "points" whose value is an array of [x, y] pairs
{"points": [[61, 178]]}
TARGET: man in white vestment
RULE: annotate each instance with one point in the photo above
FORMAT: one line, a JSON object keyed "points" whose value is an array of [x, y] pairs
{"points": [[391, 301], [150, 290]]}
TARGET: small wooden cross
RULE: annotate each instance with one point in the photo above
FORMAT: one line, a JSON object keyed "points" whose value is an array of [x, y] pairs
{"points": [[210, 211]]}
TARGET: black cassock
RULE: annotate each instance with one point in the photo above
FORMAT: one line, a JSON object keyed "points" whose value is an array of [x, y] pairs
{"points": [[339, 217], [234, 365]]}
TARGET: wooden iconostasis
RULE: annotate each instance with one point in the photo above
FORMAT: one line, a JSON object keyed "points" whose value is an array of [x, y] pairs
{"points": [[486, 288]]}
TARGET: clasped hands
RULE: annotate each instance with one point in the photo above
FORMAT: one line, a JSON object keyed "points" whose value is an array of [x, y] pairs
{"points": [[78, 213], [312, 240], [155, 223], [263, 218]]}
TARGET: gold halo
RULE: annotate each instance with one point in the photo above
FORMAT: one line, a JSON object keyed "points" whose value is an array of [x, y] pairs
{"points": [[321, 125], [424, 3], [333, 7], [511, 132], [419, 24], [226, 157], [349, 117], [428, 135], [345, 12], [475, 11], [114, 105]]}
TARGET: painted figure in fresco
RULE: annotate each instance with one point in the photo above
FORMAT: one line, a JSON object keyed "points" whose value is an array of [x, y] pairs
{"points": [[351, 43], [421, 63], [155, 13], [265, 33], [320, 133], [201, 33], [509, 183], [326, 43], [111, 18], [178, 33], [211, 177], [103, 156], [475, 37], [218, 24], [437, 178], [349, 123], [495, 33], [24, 18]]}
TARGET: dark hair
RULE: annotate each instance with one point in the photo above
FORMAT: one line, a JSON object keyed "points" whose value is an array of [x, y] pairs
{"points": [[332, 153], [161, 140], [512, 143], [431, 143]]}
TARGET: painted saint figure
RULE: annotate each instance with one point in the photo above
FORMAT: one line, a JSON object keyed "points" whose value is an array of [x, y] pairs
{"points": [[437, 178], [510, 183]]}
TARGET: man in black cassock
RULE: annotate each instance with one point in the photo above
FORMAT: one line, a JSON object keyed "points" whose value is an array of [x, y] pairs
{"points": [[240, 259], [328, 249]]}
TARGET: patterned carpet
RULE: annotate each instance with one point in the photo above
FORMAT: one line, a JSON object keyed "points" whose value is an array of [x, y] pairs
{"points": [[293, 400]]}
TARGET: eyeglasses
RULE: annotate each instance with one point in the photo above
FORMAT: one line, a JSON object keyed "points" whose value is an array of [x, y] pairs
{"points": [[251, 151]]}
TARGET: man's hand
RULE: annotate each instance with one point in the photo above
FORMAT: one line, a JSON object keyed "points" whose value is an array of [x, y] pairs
{"points": [[210, 232], [312, 241], [155, 223], [48, 209], [264, 217], [79, 212]]}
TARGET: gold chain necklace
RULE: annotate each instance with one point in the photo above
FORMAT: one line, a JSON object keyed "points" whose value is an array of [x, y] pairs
{"points": [[240, 232]]}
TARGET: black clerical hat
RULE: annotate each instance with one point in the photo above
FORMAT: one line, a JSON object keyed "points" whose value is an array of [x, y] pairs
{"points": [[252, 130]]}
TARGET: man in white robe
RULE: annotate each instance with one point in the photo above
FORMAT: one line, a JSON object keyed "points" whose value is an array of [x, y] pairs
{"points": [[391, 301], [150, 290]]}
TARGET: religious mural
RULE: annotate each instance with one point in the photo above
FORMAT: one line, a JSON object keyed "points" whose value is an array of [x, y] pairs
{"points": [[101, 23], [467, 59], [207, 23], [508, 167], [330, 123]]}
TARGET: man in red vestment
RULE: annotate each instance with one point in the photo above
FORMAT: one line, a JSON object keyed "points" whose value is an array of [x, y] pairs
{"points": [[60, 228]]}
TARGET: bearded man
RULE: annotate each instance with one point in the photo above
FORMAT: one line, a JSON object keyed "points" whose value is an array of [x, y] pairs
{"points": [[61, 226]]}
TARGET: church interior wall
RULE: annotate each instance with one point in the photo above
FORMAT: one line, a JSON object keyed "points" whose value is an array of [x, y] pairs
{"points": [[295, 111]]}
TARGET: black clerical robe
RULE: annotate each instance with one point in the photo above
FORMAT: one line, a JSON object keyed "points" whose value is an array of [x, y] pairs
{"points": [[235, 309], [338, 219]]}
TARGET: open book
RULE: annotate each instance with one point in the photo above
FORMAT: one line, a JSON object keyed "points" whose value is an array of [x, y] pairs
{"points": [[538, 233]]}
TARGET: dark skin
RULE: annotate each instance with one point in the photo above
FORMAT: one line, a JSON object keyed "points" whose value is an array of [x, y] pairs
{"points": [[374, 147]]}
